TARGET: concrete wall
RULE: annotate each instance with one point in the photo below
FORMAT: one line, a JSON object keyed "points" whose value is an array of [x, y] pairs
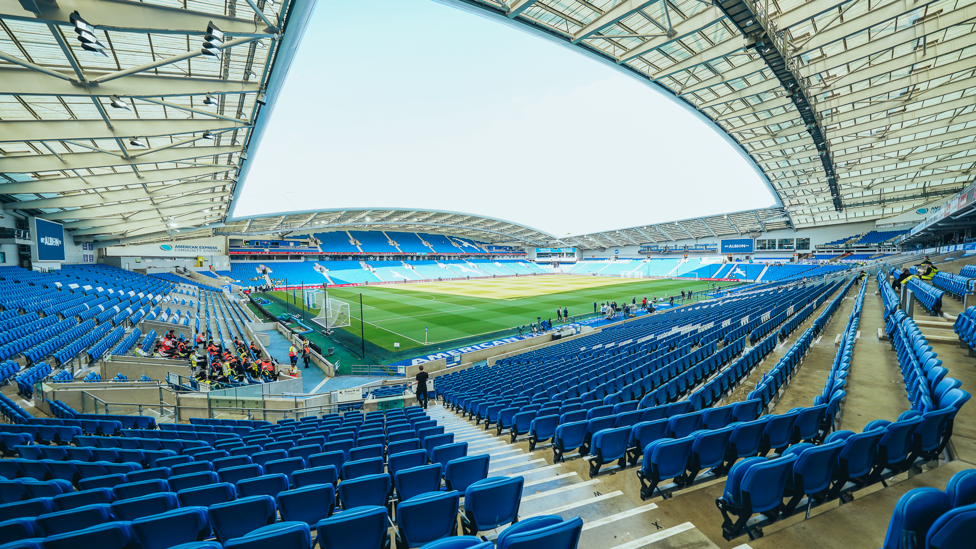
{"points": [[134, 367], [9, 221], [133, 393]]}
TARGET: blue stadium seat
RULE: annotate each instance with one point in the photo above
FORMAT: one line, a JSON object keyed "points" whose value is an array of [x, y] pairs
{"points": [[84, 497], [207, 495], [61, 522], [608, 445], [286, 535], [352, 470], [490, 503], [316, 475], [369, 490], [111, 535], [962, 488], [463, 472], [18, 529], [663, 459], [361, 528], [162, 531], [417, 480], [309, 504], [755, 485], [152, 504], [271, 485], [914, 515], [426, 518], [143, 488], [234, 519], [549, 531], [953, 529]]}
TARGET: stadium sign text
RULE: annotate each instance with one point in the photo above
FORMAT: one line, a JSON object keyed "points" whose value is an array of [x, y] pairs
{"points": [[458, 352]]}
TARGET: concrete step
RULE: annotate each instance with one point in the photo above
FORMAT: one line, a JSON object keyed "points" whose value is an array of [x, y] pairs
{"points": [[684, 536], [515, 467], [544, 502], [551, 483], [591, 508]]}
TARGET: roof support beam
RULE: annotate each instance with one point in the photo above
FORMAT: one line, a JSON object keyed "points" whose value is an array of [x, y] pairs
{"points": [[15, 131], [22, 81], [129, 207], [518, 6], [619, 12], [77, 161], [90, 182], [701, 20], [131, 16], [92, 199]]}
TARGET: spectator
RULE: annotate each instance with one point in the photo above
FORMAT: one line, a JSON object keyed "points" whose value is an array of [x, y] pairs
{"points": [[566, 314], [559, 313], [422, 387], [903, 278], [671, 300], [682, 294]]}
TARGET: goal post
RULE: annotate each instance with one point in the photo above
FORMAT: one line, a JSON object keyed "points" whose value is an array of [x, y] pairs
{"points": [[333, 313]]}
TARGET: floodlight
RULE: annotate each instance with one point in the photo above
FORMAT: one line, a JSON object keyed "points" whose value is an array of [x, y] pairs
{"points": [[136, 142], [117, 103], [86, 34], [212, 41], [208, 135], [210, 101], [251, 74], [173, 225], [260, 43]]}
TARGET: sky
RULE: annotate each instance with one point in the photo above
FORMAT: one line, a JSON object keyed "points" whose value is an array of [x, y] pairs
{"points": [[418, 105]]}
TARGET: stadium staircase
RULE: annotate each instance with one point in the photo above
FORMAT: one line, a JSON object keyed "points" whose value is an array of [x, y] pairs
{"points": [[409, 267], [367, 266], [353, 241], [392, 242], [725, 270], [431, 248], [763, 273], [610, 518], [675, 269]]}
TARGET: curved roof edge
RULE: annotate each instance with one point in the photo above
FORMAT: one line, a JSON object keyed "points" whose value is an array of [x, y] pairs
{"points": [[323, 220], [525, 25]]}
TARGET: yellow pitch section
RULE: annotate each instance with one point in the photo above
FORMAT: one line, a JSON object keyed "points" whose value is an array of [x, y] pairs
{"points": [[514, 287]]}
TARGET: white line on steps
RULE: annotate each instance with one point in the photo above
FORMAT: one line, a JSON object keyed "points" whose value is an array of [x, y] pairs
{"points": [[575, 504], [558, 490], [550, 479], [657, 536], [619, 516]]}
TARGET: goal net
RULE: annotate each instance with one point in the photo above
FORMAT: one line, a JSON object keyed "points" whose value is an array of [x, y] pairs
{"points": [[333, 313]]}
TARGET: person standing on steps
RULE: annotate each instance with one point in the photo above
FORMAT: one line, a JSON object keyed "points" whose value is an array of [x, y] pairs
{"points": [[293, 354], [422, 387]]}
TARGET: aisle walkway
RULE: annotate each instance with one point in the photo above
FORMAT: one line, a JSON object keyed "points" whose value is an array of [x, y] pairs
{"points": [[875, 389], [749, 383], [808, 382]]}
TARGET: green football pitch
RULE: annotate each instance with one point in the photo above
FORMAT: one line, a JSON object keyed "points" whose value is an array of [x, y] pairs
{"points": [[442, 315]]}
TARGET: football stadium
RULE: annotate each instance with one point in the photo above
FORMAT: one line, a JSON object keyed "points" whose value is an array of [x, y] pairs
{"points": [[487, 274]]}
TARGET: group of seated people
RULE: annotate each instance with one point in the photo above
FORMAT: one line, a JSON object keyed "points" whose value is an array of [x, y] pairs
{"points": [[925, 271], [172, 346], [211, 362]]}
